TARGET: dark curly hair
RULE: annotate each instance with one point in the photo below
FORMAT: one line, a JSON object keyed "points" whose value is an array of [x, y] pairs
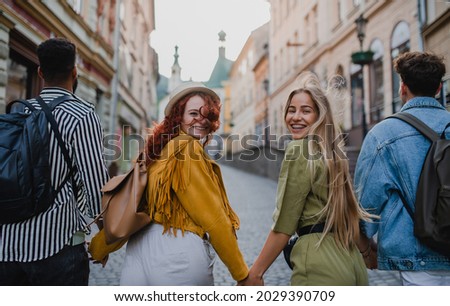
{"points": [[56, 58], [422, 72]]}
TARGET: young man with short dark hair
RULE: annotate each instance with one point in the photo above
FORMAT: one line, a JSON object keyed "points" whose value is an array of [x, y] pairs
{"points": [[49, 248]]}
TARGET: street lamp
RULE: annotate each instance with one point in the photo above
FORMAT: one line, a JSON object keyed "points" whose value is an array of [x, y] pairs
{"points": [[361, 24], [362, 58], [266, 112]]}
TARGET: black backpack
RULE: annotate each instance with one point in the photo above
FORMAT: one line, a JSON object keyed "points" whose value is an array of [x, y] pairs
{"points": [[25, 171], [432, 207]]}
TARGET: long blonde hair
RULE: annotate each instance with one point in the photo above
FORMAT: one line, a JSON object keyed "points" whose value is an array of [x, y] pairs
{"points": [[342, 210]]}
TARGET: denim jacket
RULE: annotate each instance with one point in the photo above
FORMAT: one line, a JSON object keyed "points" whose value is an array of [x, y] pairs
{"points": [[390, 162]]}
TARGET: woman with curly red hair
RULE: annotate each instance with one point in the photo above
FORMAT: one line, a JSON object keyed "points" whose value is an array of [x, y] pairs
{"points": [[192, 219]]}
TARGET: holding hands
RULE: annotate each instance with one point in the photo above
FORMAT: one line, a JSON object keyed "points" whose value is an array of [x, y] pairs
{"points": [[368, 250], [252, 280]]}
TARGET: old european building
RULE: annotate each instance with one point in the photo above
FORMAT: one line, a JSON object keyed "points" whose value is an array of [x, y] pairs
{"points": [[218, 81], [321, 36], [134, 106], [111, 36], [247, 79]]}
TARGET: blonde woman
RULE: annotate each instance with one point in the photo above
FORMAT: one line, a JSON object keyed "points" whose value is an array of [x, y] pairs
{"points": [[315, 198]]}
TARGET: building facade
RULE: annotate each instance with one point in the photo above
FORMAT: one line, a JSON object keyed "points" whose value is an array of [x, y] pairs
{"points": [[218, 82], [321, 36], [111, 36], [134, 95], [247, 79]]}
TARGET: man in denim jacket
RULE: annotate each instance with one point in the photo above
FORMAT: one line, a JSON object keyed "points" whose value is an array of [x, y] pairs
{"points": [[390, 163]]}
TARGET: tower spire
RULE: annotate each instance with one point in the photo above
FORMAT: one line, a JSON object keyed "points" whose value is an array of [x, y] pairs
{"points": [[222, 35], [175, 78], [175, 56]]}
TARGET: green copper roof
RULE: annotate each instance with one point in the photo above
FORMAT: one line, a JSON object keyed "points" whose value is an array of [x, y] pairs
{"points": [[161, 87], [220, 72]]}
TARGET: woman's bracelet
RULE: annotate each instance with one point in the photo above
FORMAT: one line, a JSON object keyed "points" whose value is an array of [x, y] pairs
{"points": [[367, 250]]}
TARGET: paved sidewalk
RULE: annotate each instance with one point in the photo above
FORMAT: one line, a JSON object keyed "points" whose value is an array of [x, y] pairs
{"points": [[253, 199]]}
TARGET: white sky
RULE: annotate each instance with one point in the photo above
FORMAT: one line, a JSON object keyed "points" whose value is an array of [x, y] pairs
{"points": [[193, 25]]}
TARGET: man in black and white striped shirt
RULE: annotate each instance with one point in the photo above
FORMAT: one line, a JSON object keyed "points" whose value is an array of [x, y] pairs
{"points": [[49, 248]]}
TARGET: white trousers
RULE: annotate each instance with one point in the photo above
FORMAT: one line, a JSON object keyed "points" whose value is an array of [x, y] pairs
{"points": [[154, 259], [425, 278]]}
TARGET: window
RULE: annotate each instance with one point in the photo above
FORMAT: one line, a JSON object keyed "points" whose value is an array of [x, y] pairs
{"points": [[282, 120], [259, 128], [282, 64], [129, 68], [308, 38], [399, 44], [356, 80], [376, 83], [340, 105], [275, 121], [315, 25], [22, 79], [444, 94], [130, 145], [296, 51], [17, 81], [243, 67]]}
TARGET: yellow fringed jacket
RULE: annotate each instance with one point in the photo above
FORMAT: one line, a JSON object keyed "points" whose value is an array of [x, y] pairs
{"points": [[186, 193]]}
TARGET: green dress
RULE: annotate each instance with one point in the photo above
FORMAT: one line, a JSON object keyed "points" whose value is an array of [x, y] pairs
{"points": [[300, 198]]}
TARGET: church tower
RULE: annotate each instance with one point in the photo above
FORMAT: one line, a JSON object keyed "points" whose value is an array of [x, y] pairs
{"points": [[175, 77]]}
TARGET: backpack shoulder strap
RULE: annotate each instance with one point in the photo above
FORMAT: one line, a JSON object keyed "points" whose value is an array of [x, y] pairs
{"points": [[443, 132], [405, 204], [417, 124], [424, 130], [10, 106], [54, 103], [48, 113]]}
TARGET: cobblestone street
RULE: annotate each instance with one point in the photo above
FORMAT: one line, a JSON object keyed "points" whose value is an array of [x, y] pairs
{"points": [[253, 199]]}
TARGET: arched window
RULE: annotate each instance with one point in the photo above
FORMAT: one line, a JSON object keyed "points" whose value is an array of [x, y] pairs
{"points": [[376, 82], [340, 108], [357, 87], [340, 70], [400, 43]]}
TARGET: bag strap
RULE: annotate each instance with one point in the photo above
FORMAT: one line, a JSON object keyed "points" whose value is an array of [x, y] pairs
{"points": [[425, 130], [443, 132], [51, 119], [407, 207], [9, 106], [417, 124], [99, 217], [309, 229]]}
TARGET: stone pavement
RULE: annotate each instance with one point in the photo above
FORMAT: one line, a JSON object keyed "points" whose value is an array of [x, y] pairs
{"points": [[253, 198]]}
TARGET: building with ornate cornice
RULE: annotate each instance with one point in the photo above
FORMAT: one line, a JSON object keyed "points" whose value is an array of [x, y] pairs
{"points": [[117, 68], [321, 36]]}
